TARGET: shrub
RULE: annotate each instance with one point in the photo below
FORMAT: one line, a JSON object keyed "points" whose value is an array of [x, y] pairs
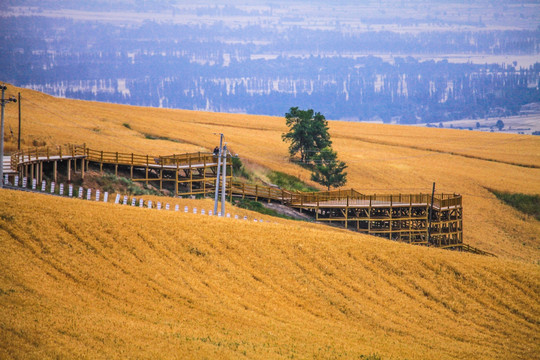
{"points": [[527, 204], [239, 170], [289, 182], [258, 207]]}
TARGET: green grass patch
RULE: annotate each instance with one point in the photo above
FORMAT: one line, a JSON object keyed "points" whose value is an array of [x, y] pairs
{"points": [[289, 182], [112, 183], [258, 207], [156, 137], [527, 204]]}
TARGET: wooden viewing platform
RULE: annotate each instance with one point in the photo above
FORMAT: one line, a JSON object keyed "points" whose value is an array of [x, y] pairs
{"points": [[399, 217]]}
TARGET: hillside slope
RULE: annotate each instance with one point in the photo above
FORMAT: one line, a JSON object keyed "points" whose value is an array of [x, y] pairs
{"points": [[92, 280], [381, 158]]}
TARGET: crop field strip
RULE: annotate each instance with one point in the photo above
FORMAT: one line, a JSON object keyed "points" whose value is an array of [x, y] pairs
{"points": [[396, 217]]}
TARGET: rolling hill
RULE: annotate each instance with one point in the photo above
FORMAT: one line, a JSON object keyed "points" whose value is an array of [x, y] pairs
{"points": [[381, 158], [93, 280]]}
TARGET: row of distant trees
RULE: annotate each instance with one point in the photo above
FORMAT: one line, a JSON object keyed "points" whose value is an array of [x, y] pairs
{"points": [[308, 137], [196, 66]]}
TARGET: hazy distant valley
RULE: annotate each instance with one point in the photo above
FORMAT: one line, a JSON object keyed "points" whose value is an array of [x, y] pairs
{"points": [[400, 62]]}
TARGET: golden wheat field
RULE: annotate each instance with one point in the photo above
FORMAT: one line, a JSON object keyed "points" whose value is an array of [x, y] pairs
{"points": [[92, 280], [381, 158]]}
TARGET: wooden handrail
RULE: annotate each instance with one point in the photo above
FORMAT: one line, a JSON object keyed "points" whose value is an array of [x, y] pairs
{"points": [[108, 157], [257, 191]]}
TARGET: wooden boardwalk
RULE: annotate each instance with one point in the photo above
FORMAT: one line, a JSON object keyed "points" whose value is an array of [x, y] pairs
{"points": [[399, 217], [192, 173]]}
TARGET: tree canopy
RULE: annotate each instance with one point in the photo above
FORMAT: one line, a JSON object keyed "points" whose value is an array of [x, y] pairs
{"points": [[328, 170], [308, 133]]}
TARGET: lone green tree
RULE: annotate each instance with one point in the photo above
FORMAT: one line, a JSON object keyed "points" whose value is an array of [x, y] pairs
{"points": [[328, 170], [308, 133]]}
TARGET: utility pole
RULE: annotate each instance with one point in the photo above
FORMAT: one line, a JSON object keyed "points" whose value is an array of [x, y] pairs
{"points": [[224, 180], [430, 213], [19, 140], [216, 195], [3, 103]]}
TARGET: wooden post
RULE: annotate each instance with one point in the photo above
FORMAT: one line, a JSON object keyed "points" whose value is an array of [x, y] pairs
{"points": [[391, 205], [116, 165], [19, 135], [146, 176], [176, 177], [230, 184], [83, 165], [190, 177], [131, 169], [204, 175], [161, 160], [86, 153], [410, 218], [347, 214], [55, 169], [317, 209], [69, 170], [369, 216], [101, 163], [429, 215]]}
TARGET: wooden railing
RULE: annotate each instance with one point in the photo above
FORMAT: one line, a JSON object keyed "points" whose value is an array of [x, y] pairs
{"points": [[294, 198], [261, 191], [47, 153], [354, 197], [341, 197], [108, 157], [468, 248]]}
